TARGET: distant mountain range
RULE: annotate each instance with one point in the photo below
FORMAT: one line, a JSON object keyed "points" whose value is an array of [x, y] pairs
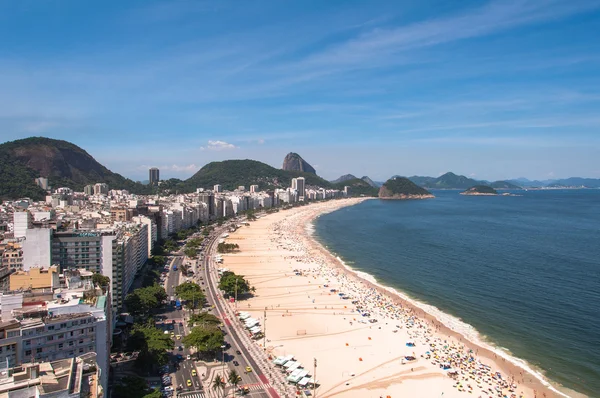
{"points": [[67, 165], [454, 181]]}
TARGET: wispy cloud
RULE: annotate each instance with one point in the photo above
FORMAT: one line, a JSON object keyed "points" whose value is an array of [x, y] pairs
{"points": [[217, 146]]}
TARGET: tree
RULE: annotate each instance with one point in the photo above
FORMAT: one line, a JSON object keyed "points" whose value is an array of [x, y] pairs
{"points": [[152, 344], [143, 300], [218, 383], [101, 281], [227, 247], [233, 378], [231, 283], [191, 293], [154, 394], [131, 387], [204, 319], [190, 252], [205, 339], [159, 261]]}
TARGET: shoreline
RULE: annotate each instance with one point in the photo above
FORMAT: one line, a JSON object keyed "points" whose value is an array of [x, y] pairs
{"points": [[530, 383]]}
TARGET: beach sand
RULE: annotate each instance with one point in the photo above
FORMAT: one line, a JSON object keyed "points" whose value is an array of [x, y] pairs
{"points": [[294, 275]]}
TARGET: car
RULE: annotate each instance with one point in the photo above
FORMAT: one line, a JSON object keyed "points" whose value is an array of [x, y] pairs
{"points": [[189, 383], [248, 369], [194, 373], [189, 357], [178, 337], [236, 363], [180, 348], [238, 352]]}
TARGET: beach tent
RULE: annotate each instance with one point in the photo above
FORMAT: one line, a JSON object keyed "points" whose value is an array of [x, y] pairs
{"points": [[255, 330], [293, 367], [245, 316], [304, 381], [298, 377], [286, 359], [278, 361], [290, 363], [294, 374], [251, 322]]}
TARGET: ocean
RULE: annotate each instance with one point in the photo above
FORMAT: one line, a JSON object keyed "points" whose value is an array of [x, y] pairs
{"points": [[522, 273]]}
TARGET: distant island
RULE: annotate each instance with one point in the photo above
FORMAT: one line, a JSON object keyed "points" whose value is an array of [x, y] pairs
{"points": [[480, 190], [403, 188]]}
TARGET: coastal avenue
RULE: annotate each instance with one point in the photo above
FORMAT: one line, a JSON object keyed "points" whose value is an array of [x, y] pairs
{"points": [[184, 366], [256, 382]]}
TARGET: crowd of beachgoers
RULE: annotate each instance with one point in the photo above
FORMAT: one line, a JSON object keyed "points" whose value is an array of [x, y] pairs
{"points": [[367, 304]]}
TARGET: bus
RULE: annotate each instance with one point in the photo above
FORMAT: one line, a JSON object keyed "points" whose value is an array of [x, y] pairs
{"points": [[178, 304]]}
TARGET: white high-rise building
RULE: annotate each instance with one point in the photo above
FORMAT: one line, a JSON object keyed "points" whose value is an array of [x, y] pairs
{"points": [[218, 188], [21, 221], [299, 186], [253, 188]]}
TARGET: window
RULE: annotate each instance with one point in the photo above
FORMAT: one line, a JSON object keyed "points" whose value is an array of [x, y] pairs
{"points": [[70, 343], [63, 325], [81, 350], [27, 352], [27, 342], [60, 345], [50, 338], [38, 350], [82, 331], [61, 336], [51, 327], [91, 330]]}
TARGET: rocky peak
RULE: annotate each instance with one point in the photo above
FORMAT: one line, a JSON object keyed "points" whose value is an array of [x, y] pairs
{"points": [[294, 162]]}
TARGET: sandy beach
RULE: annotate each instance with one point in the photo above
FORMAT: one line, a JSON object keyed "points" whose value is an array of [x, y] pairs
{"points": [[363, 336]]}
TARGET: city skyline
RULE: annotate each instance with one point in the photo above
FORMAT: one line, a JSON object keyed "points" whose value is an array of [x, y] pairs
{"points": [[495, 90]]}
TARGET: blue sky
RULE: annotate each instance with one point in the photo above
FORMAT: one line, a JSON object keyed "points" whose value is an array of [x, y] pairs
{"points": [[493, 90]]}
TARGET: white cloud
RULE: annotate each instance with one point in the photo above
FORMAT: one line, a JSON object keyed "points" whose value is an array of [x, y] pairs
{"points": [[217, 146], [261, 141]]}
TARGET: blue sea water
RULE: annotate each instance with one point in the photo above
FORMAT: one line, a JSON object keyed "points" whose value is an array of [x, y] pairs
{"points": [[523, 270]]}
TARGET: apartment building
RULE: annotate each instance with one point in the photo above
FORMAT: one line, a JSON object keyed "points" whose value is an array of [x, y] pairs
{"points": [[66, 324]]}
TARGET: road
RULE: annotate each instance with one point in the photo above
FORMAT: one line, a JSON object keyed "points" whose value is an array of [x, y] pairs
{"points": [[257, 383], [251, 379], [184, 366]]}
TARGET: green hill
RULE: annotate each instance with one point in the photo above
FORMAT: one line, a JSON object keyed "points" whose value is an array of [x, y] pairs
{"points": [[504, 185], [402, 188], [233, 173], [480, 190], [358, 187], [63, 163]]}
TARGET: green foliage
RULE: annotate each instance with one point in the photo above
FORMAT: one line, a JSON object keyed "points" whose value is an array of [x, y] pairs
{"points": [[132, 387], [141, 301], [101, 281], [63, 163], [194, 243], [227, 247], [154, 394], [218, 383], [203, 319], [190, 252], [170, 245], [482, 189], [230, 282], [233, 173], [191, 293], [159, 260], [152, 344], [233, 378], [204, 339], [401, 186], [358, 187]]}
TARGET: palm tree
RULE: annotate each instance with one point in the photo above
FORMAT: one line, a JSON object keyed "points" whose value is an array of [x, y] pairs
{"points": [[233, 378], [218, 383]]}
